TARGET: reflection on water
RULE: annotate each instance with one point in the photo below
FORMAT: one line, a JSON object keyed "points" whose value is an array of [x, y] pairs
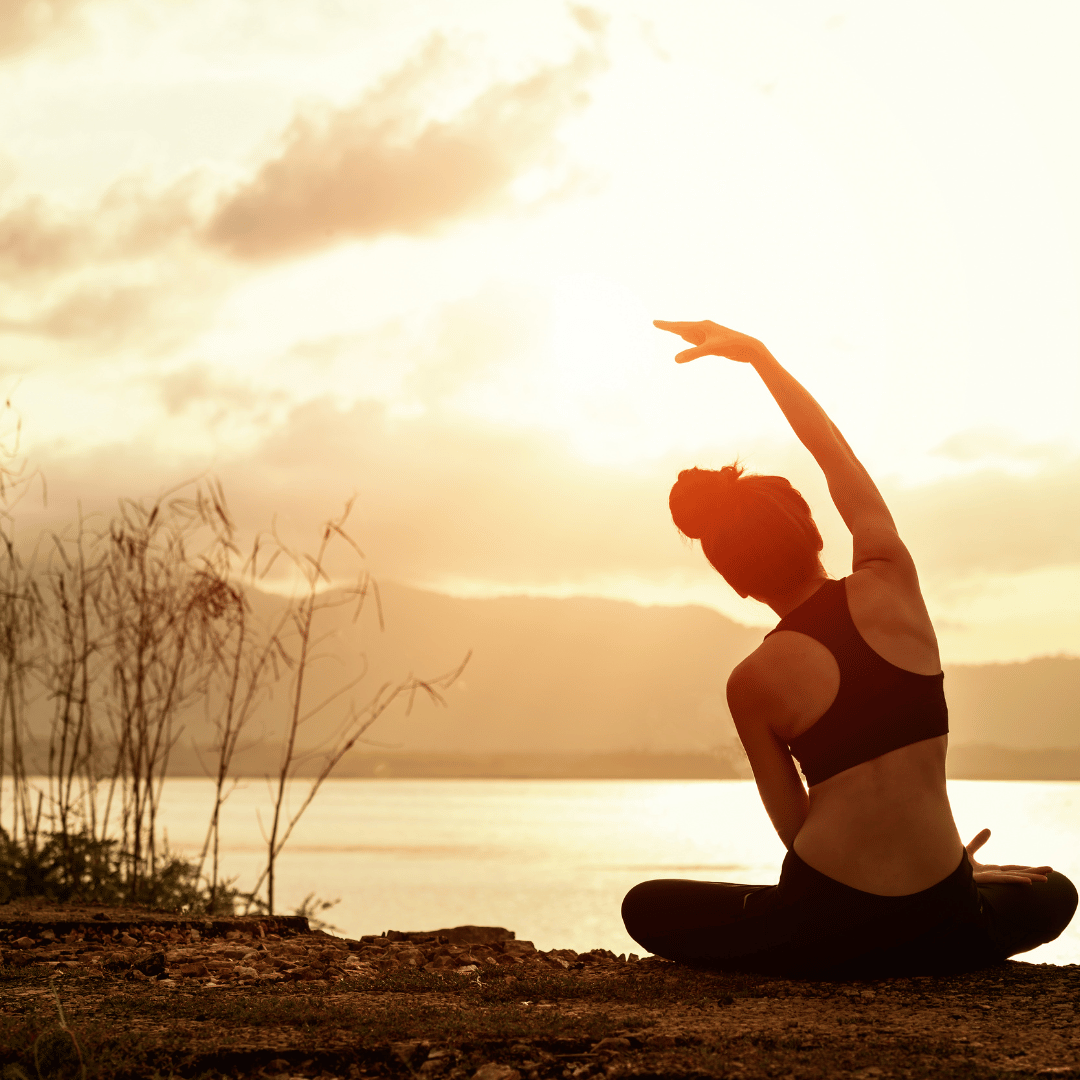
{"points": [[552, 859]]}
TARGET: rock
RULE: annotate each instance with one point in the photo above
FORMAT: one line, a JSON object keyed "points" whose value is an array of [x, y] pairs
{"points": [[152, 965], [613, 1043], [660, 1042], [476, 935], [494, 1071], [47, 935], [193, 971], [412, 1053], [519, 948], [24, 943], [243, 972], [127, 939]]}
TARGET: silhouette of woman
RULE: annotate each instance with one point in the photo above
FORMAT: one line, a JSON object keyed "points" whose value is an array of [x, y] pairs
{"points": [[876, 879]]}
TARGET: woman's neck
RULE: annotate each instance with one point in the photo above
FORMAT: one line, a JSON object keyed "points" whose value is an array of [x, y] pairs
{"points": [[786, 602]]}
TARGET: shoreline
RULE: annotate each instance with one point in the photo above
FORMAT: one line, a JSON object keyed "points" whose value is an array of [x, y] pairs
{"points": [[152, 993]]}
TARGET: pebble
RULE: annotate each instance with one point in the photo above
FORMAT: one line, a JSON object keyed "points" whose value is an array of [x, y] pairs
{"points": [[188, 953], [613, 1043], [494, 1071]]}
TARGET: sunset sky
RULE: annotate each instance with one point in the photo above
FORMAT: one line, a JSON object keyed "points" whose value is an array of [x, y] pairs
{"points": [[412, 250]]}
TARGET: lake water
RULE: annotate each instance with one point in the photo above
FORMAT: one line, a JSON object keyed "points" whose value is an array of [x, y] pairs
{"points": [[552, 859]]}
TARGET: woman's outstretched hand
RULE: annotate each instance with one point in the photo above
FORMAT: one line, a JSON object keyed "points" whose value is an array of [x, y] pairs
{"points": [[712, 339], [985, 873]]}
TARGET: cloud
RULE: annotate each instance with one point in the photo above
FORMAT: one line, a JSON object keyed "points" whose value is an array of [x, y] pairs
{"points": [[139, 259], [376, 167], [129, 222], [993, 522], [34, 240], [438, 497], [441, 497], [25, 24], [130, 267], [989, 443]]}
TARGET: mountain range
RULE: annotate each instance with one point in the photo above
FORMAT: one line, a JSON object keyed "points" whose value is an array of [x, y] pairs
{"points": [[585, 686]]}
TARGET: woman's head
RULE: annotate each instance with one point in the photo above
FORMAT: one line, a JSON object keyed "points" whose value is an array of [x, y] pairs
{"points": [[756, 530]]}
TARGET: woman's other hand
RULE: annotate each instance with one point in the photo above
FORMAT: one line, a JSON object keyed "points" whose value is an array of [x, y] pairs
{"points": [[712, 339], [986, 873]]}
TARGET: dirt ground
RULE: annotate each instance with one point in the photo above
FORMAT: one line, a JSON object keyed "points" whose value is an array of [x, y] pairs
{"points": [[121, 993]]}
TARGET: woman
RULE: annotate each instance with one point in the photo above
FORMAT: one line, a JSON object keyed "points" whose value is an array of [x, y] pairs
{"points": [[876, 878]]}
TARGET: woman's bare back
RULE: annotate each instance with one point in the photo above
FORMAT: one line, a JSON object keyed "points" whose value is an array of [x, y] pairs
{"points": [[885, 825]]}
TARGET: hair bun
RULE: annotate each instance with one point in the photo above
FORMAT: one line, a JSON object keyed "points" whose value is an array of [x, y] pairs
{"points": [[701, 497]]}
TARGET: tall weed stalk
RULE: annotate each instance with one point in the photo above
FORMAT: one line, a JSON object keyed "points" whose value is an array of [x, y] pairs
{"points": [[111, 637]]}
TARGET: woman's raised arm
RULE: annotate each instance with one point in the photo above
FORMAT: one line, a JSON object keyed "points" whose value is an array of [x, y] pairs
{"points": [[853, 491]]}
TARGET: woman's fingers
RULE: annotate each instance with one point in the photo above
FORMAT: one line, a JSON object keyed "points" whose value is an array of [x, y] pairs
{"points": [[695, 333], [691, 354], [977, 841], [675, 327], [1023, 875], [997, 877]]}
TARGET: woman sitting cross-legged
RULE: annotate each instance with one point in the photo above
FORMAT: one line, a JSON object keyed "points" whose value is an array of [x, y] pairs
{"points": [[876, 879]]}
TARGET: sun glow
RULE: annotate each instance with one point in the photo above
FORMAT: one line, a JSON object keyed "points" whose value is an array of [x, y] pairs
{"points": [[909, 246]]}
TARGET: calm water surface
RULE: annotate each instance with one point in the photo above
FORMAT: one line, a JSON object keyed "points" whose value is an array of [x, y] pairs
{"points": [[552, 859]]}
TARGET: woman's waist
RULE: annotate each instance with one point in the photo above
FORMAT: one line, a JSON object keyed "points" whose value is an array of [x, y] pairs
{"points": [[890, 843], [806, 887]]}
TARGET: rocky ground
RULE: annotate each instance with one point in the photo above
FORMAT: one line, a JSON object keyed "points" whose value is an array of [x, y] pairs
{"points": [[141, 994]]}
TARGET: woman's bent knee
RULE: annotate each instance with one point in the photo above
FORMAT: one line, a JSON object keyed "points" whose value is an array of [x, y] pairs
{"points": [[1063, 902], [644, 908]]}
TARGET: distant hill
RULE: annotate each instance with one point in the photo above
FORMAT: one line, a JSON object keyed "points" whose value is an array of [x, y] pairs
{"points": [[567, 680], [1022, 706]]}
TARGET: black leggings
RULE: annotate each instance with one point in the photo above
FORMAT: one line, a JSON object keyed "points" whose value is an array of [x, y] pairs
{"points": [[810, 924]]}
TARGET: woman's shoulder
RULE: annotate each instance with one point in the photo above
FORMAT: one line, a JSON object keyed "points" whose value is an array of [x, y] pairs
{"points": [[788, 681], [890, 615]]}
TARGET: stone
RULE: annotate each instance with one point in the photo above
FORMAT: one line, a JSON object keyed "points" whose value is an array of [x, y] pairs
{"points": [[476, 935], [412, 1053], [47, 935], [244, 972], [613, 1043], [493, 1071], [24, 943], [660, 1042], [518, 948], [152, 965]]}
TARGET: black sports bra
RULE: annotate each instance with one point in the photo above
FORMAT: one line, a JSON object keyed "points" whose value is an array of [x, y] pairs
{"points": [[879, 706]]}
